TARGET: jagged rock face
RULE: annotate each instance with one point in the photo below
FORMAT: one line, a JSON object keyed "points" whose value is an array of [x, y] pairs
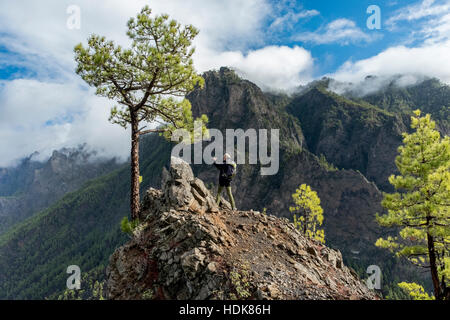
{"points": [[430, 96], [188, 248], [350, 135]]}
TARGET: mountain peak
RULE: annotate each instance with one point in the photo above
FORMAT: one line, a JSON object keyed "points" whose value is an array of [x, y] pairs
{"points": [[188, 248]]}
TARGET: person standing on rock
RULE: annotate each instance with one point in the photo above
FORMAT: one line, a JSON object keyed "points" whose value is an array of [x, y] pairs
{"points": [[227, 171]]}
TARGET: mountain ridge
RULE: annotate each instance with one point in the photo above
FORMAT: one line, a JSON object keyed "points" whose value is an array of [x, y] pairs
{"points": [[34, 185]]}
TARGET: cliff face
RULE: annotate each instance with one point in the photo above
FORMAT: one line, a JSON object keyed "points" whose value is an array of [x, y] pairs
{"points": [[351, 135], [188, 248]]}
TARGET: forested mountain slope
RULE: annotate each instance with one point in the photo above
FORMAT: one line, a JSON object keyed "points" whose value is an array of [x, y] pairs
{"points": [[34, 185]]}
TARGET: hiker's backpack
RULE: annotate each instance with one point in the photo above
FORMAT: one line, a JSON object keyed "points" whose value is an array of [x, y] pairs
{"points": [[232, 170]]}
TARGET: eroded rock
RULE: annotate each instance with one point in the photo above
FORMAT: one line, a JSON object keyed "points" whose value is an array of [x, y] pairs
{"points": [[187, 248]]}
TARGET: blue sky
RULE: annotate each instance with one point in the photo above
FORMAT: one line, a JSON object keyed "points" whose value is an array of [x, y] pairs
{"points": [[10, 71], [279, 45], [335, 54], [332, 55]]}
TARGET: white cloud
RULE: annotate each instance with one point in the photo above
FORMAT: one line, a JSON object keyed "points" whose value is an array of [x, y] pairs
{"points": [[368, 85], [438, 30], [292, 17], [43, 116], [427, 21], [430, 60], [342, 31], [426, 8], [272, 67]]}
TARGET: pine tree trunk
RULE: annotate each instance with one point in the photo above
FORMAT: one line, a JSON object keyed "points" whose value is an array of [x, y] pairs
{"points": [[446, 294], [134, 192], [305, 225], [433, 267]]}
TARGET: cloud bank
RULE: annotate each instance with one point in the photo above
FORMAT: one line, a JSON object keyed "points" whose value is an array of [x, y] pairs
{"points": [[272, 67], [430, 60], [43, 116]]}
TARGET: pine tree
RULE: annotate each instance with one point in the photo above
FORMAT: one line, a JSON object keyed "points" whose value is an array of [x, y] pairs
{"points": [[415, 291], [145, 80], [421, 205], [310, 213]]}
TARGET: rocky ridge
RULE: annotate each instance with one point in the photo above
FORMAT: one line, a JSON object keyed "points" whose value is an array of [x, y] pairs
{"points": [[188, 248]]}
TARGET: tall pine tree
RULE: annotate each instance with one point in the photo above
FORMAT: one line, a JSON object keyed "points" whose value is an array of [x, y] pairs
{"points": [[144, 80], [421, 205]]}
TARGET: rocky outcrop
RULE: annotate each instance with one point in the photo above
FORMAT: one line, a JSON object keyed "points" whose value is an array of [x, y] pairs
{"points": [[188, 248]]}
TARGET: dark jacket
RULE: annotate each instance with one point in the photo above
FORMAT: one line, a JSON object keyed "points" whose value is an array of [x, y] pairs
{"points": [[226, 171]]}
